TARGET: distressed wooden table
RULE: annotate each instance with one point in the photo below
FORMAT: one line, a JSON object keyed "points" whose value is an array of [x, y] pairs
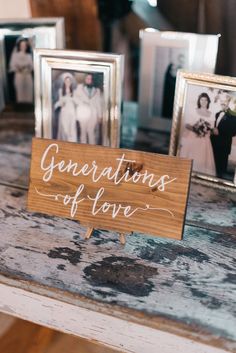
{"points": [[152, 295]]}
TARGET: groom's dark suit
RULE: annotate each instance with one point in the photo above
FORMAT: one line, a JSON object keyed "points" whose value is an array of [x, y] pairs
{"points": [[222, 143]]}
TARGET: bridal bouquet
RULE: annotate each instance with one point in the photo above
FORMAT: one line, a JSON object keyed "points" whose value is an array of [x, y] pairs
{"points": [[201, 128]]}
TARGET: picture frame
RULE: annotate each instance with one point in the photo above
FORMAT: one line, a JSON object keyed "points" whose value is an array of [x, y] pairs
{"points": [[204, 125], [18, 38], [106, 71], [2, 103], [165, 53]]}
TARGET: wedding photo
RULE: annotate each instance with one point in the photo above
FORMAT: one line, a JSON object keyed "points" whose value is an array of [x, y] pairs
{"points": [[79, 99], [208, 130], [163, 54], [18, 40], [78, 107], [167, 62], [18, 52]]}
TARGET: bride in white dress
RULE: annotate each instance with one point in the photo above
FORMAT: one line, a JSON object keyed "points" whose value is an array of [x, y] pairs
{"points": [[21, 63], [67, 129], [196, 142]]}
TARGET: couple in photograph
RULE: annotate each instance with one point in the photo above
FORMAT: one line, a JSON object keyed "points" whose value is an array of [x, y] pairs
{"points": [[208, 141], [80, 110]]}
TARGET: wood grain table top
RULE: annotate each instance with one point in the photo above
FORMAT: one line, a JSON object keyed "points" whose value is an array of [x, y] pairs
{"points": [[148, 288]]}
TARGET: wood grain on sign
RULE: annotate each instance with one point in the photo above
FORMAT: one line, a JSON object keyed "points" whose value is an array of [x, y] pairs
{"points": [[116, 189]]}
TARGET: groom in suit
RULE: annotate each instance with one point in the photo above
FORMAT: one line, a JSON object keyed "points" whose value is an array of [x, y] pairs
{"points": [[221, 139], [89, 110]]}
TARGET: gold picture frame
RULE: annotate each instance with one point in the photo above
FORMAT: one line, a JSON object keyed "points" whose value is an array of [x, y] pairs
{"points": [[204, 126], [109, 66]]}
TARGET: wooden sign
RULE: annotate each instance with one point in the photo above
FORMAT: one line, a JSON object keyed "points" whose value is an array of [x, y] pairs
{"points": [[107, 188]]}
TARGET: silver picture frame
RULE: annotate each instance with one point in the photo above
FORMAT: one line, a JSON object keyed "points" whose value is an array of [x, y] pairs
{"points": [[111, 66], [220, 92], [162, 54], [44, 33]]}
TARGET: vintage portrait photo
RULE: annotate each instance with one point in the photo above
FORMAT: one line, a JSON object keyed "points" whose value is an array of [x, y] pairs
{"points": [[167, 63], [78, 96], [78, 106], [208, 130], [162, 55], [19, 71], [18, 39]]}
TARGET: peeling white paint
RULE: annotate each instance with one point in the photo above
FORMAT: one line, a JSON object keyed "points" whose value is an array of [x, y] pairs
{"points": [[113, 332]]}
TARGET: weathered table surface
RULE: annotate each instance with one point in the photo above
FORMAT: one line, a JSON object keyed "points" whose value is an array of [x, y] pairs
{"points": [[152, 295]]}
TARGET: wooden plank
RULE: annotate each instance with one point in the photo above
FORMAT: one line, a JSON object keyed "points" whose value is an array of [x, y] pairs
{"points": [[17, 170], [15, 152], [109, 188], [201, 209], [6, 322], [19, 336], [186, 288], [25, 337], [71, 344], [113, 332], [212, 208]]}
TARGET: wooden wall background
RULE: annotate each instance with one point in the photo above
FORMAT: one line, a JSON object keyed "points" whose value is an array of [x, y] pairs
{"points": [[83, 29], [199, 16], [207, 16]]}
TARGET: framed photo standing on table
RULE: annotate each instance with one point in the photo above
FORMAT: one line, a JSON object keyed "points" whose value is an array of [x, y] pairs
{"points": [[162, 55], [2, 103], [78, 96], [204, 125], [18, 38]]}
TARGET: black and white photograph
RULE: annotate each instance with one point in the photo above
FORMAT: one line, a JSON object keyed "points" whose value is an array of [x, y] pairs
{"points": [[167, 63], [208, 130], [19, 71], [162, 55], [78, 106]]}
